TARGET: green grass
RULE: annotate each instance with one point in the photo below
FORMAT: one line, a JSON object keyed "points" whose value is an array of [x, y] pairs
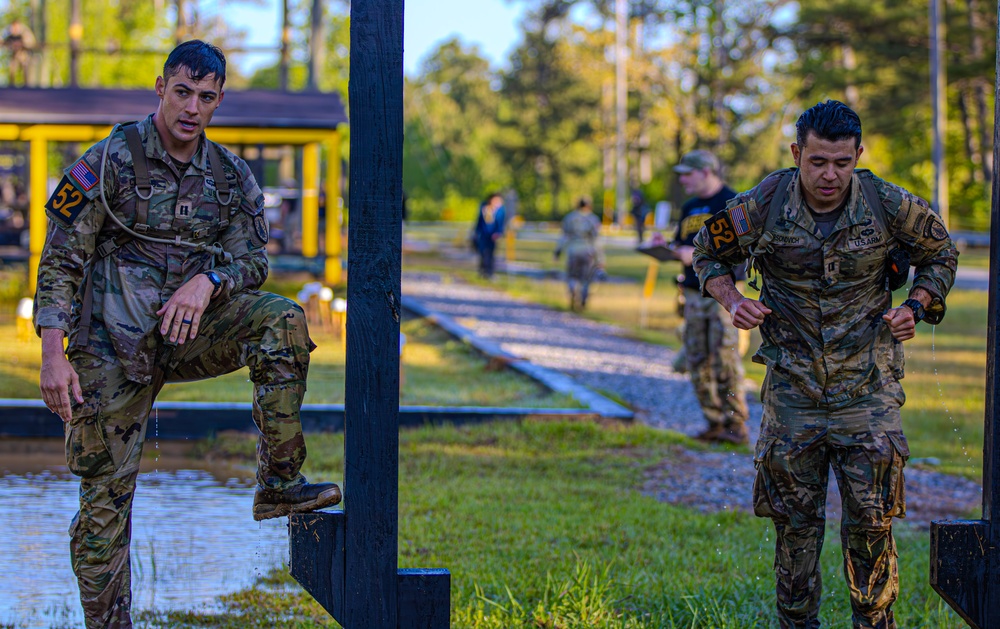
{"points": [[438, 371], [542, 526], [945, 365]]}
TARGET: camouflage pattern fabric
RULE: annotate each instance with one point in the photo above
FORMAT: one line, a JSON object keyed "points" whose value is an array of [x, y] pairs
{"points": [[130, 285], [832, 394], [104, 440], [711, 349], [580, 231], [828, 295], [124, 362], [865, 446]]}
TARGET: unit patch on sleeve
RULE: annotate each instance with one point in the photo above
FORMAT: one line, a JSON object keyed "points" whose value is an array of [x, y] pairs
{"points": [[83, 176], [721, 233], [740, 220], [66, 202]]}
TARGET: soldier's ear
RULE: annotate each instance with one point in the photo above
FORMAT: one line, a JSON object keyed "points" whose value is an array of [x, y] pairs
{"points": [[160, 86]]}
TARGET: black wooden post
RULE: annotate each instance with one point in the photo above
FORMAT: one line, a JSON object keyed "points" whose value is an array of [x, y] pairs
{"points": [[348, 559], [965, 554]]}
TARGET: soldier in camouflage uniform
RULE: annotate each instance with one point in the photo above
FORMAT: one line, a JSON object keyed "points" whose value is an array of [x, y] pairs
{"points": [[711, 342], [154, 254], [580, 229], [832, 343]]}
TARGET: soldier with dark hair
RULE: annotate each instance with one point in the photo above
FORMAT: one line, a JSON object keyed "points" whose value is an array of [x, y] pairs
{"points": [[830, 242], [152, 263]]}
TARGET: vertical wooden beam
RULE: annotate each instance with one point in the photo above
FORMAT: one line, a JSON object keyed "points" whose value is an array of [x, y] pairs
{"points": [[965, 554], [371, 405], [991, 432], [334, 211], [310, 200]]}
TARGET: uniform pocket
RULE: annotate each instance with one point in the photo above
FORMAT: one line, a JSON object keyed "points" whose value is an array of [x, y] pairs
{"points": [[87, 453], [767, 502], [895, 506]]}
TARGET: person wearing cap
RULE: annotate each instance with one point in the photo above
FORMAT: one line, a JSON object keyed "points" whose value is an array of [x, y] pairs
{"points": [[584, 259], [711, 342], [827, 240]]}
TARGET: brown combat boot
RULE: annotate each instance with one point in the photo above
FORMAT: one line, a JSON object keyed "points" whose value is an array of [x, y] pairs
{"points": [[712, 433], [271, 503], [736, 434]]}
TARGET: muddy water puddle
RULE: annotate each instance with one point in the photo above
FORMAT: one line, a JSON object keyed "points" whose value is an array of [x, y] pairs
{"points": [[193, 537]]}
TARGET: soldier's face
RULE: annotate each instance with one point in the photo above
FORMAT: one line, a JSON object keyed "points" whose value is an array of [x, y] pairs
{"points": [[825, 170], [186, 107]]}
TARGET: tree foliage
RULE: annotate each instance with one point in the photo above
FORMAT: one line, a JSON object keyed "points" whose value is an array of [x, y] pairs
{"points": [[728, 76]]}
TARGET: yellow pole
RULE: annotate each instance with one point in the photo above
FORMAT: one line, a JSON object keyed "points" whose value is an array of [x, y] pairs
{"points": [[334, 211], [37, 222], [511, 237], [609, 207], [310, 200], [647, 290]]}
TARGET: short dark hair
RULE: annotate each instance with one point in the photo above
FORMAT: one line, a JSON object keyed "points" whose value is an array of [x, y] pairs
{"points": [[829, 120], [201, 59]]}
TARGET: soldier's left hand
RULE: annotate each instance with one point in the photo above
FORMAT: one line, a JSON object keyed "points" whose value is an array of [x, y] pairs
{"points": [[901, 323], [182, 312]]}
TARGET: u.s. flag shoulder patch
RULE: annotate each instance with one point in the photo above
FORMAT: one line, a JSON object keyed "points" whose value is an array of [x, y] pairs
{"points": [[740, 220], [83, 176]]}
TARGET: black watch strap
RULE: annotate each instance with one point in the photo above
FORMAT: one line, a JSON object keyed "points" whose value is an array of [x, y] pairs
{"points": [[216, 281], [917, 308]]}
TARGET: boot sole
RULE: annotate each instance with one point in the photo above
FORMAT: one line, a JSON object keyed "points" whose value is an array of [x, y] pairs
{"points": [[327, 498]]}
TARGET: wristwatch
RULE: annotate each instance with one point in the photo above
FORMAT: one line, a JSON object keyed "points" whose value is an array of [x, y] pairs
{"points": [[917, 308], [216, 282]]}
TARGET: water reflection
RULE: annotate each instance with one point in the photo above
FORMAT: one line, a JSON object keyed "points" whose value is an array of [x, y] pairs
{"points": [[193, 537]]}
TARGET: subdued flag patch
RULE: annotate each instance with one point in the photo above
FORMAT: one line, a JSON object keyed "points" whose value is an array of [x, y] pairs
{"points": [[83, 175]]}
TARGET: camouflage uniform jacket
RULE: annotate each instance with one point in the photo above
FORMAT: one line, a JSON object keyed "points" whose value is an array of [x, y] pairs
{"points": [[134, 281], [827, 296], [579, 234]]}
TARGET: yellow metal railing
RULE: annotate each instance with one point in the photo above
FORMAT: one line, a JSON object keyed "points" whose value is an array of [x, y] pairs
{"points": [[38, 136]]}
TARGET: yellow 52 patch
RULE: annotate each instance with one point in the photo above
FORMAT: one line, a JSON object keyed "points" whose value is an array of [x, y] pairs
{"points": [[721, 234], [66, 202]]}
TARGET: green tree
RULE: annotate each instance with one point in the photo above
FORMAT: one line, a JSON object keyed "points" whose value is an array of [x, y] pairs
{"points": [[450, 115], [548, 117], [875, 57]]}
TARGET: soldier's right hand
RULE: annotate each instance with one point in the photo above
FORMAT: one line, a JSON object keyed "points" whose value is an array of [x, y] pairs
{"points": [[747, 314], [58, 380]]}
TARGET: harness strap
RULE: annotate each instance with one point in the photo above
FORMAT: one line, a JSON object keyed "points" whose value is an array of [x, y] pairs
{"points": [[873, 201], [221, 185], [143, 187]]}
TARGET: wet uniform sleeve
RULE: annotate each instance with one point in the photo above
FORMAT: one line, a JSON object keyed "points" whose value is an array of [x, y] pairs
{"points": [[921, 232], [75, 218], [725, 241], [246, 237]]}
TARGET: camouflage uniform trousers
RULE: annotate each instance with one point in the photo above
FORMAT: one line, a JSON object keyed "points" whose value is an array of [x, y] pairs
{"points": [[580, 269], [711, 347], [105, 437], [864, 444]]}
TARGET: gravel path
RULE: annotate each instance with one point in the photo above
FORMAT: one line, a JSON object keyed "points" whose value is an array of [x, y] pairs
{"points": [[600, 357]]}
